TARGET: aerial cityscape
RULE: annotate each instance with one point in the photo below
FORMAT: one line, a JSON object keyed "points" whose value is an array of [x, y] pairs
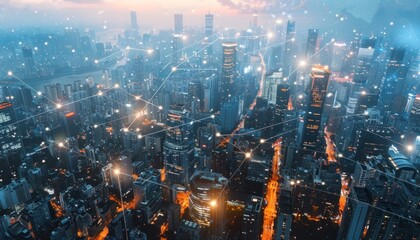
{"points": [[216, 119]]}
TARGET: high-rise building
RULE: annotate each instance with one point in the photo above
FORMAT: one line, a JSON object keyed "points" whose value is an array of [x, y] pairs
{"points": [[124, 164], [290, 48], [361, 72], [312, 128], [391, 98], [414, 116], [374, 140], [147, 193], [178, 148], [177, 45], [207, 201], [312, 43], [227, 82], [209, 32], [252, 218], [285, 217], [209, 24], [29, 62], [178, 24], [354, 217], [10, 143], [282, 101], [133, 20], [338, 55]]}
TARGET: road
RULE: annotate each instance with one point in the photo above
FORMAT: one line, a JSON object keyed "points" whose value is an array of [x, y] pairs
{"points": [[272, 193], [330, 151]]}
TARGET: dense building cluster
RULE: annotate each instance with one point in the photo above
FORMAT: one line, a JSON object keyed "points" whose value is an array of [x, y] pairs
{"points": [[268, 132]]}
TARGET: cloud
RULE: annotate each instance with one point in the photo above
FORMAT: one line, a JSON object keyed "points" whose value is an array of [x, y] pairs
{"points": [[84, 1], [262, 6]]}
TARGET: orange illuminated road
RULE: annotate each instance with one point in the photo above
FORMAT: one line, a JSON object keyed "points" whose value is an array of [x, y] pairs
{"points": [[330, 147], [182, 199], [272, 193], [330, 151], [57, 208]]}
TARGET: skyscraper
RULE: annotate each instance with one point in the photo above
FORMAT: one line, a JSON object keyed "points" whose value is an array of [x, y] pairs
{"points": [[312, 128], [391, 99], [282, 100], [178, 24], [290, 46], [178, 148], [133, 18], [177, 46], [209, 33], [312, 43], [207, 201], [227, 84], [252, 218], [10, 143], [29, 62], [209, 24]]}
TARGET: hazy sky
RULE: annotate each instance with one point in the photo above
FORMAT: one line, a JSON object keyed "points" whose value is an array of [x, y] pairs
{"points": [[159, 13]]}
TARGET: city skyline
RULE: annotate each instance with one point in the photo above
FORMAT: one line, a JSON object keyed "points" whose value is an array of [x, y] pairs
{"points": [[226, 119]]}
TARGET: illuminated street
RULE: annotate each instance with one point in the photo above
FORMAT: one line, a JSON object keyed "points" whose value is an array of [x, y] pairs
{"points": [[272, 193]]}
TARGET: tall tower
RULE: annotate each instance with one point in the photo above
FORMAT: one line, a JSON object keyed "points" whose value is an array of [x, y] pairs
{"points": [[133, 20], [178, 148], [282, 100], [179, 24], [10, 142], [227, 84], [207, 201], [28, 57], [290, 46], [391, 99], [361, 72], [312, 43], [319, 76], [209, 32]]}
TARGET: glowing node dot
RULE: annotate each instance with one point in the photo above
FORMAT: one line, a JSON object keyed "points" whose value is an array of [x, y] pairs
{"points": [[139, 136], [60, 144], [39, 93], [59, 105], [116, 85], [410, 148], [160, 107], [213, 116], [213, 203], [117, 171], [173, 69], [10, 73], [262, 140], [218, 134], [95, 126], [248, 155], [125, 129]]}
